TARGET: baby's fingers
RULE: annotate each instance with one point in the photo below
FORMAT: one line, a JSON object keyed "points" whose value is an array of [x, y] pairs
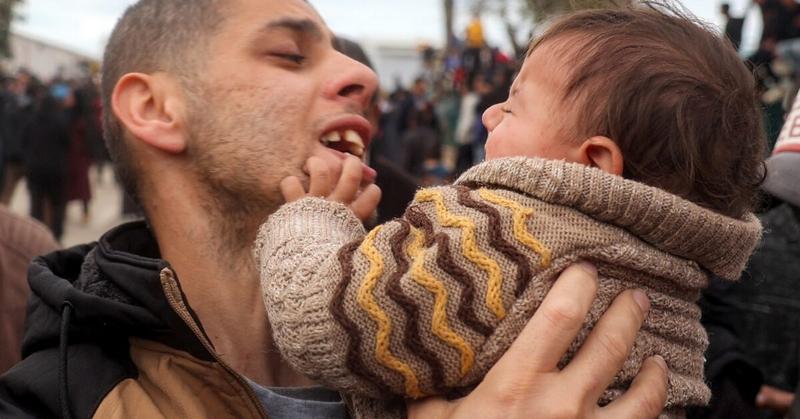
{"points": [[292, 189], [321, 183], [349, 181], [366, 203]]}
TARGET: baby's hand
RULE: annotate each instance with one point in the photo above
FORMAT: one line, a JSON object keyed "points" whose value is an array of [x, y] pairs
{"points": [[346, 189]]}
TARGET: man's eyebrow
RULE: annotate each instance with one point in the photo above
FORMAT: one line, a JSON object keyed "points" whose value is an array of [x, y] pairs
{"points": [[302, 26]]}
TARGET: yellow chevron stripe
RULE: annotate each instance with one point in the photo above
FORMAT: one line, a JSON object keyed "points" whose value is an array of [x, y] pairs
{"points": [[521, 215], [439, 318], [366, 300], [494, 294]]}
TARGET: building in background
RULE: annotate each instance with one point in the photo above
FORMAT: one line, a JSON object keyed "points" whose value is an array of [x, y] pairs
{"points": [[394, 61], [47, 60]]}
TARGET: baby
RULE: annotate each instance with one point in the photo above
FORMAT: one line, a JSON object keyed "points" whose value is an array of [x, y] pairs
{"points": [[631, 139]]}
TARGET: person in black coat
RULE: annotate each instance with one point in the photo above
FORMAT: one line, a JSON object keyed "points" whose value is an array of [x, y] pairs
{"points": [[46, 143]]}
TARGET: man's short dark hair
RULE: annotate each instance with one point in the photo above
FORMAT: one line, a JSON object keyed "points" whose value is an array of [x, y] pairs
{"points": [[152, 36]]}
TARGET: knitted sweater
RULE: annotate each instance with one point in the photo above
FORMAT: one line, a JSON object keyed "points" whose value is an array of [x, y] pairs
{"points": [[426, 304]]}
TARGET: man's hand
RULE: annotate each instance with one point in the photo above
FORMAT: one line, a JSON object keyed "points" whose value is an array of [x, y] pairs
{"points": [[526, 382], [346, 189]]}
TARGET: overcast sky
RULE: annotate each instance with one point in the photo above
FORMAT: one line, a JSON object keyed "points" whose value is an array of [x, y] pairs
{"points": [[85, 24]]}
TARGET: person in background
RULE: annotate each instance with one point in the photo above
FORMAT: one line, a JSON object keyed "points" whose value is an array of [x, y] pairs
{"points": [[772, 279], [474, 44], [468, 120], [18, 108], [422, 141], [5, 98], [21, 239], [79, 158], [94, 132], [46, 142], [420, 93], [733, 25], [753, 324]]}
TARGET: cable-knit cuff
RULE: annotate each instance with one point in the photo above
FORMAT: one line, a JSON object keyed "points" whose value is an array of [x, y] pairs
{"points": [[325, 221]]}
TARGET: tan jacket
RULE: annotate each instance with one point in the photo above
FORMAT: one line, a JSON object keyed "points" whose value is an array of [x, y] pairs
{"points": [[133, 345]]}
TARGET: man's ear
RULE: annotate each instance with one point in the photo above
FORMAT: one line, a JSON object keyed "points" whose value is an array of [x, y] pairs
{"points": [[150, 106], [602, 153]]}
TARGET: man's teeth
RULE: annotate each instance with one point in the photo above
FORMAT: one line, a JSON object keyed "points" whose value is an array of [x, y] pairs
{"points": [[332, 137], [356, 143], [353, 139]]}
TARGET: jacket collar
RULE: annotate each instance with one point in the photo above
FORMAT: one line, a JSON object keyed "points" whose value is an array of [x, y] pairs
{"points": [[115, 287]]}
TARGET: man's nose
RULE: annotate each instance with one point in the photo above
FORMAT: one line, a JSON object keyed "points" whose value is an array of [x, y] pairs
{"points": [[353, 82], [492, 117]]}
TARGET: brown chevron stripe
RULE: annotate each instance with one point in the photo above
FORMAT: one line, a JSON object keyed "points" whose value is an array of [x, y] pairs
{"points": [[354, 361], [411, 334], [496, 239], [466, 309]]}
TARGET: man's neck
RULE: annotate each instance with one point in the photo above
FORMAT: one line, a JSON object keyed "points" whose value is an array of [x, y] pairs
{"points": [[222, 287]]}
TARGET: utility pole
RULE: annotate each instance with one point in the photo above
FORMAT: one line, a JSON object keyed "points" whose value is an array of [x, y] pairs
{"points": [[448, 22]]}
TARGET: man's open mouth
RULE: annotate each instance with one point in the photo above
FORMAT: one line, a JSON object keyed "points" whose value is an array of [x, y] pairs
{"points": [[347, 141]]}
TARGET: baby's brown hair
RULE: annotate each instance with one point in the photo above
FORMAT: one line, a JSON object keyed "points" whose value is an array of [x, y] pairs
{"points": [[674, 96]]}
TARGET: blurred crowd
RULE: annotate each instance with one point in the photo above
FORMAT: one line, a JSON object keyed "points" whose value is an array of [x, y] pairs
{"points": [[776, 61], [52, 135], [432, 129]]}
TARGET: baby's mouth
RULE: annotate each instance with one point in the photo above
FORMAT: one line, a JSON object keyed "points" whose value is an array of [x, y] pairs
{"points": [[347, 141]]}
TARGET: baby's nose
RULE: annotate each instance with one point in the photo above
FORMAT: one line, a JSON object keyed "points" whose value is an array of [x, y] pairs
{"points": [[492, 117]]}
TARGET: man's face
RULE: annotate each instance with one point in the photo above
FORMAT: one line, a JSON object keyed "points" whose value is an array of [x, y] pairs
{"points": [[272, 93]]}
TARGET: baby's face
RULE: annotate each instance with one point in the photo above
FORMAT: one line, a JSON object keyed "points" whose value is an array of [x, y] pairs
{"points": [[531, 122]]}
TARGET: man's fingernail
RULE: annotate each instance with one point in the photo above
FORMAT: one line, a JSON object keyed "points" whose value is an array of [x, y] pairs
{"points": [[641, 299], [661, 362], [588, 268]]}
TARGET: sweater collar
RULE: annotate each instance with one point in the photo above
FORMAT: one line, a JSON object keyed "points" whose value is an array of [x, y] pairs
{"points": [[720, 244]]}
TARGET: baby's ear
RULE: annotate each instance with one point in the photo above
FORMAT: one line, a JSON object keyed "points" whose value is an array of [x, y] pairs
{"points": [[602, 153]]}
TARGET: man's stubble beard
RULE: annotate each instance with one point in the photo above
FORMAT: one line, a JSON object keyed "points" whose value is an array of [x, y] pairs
{"points": [[238, 167]]}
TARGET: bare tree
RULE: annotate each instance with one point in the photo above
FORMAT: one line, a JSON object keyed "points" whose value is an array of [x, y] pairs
{"points": [[534, 12], [541, 10], [7, 15], [448, 22]]}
